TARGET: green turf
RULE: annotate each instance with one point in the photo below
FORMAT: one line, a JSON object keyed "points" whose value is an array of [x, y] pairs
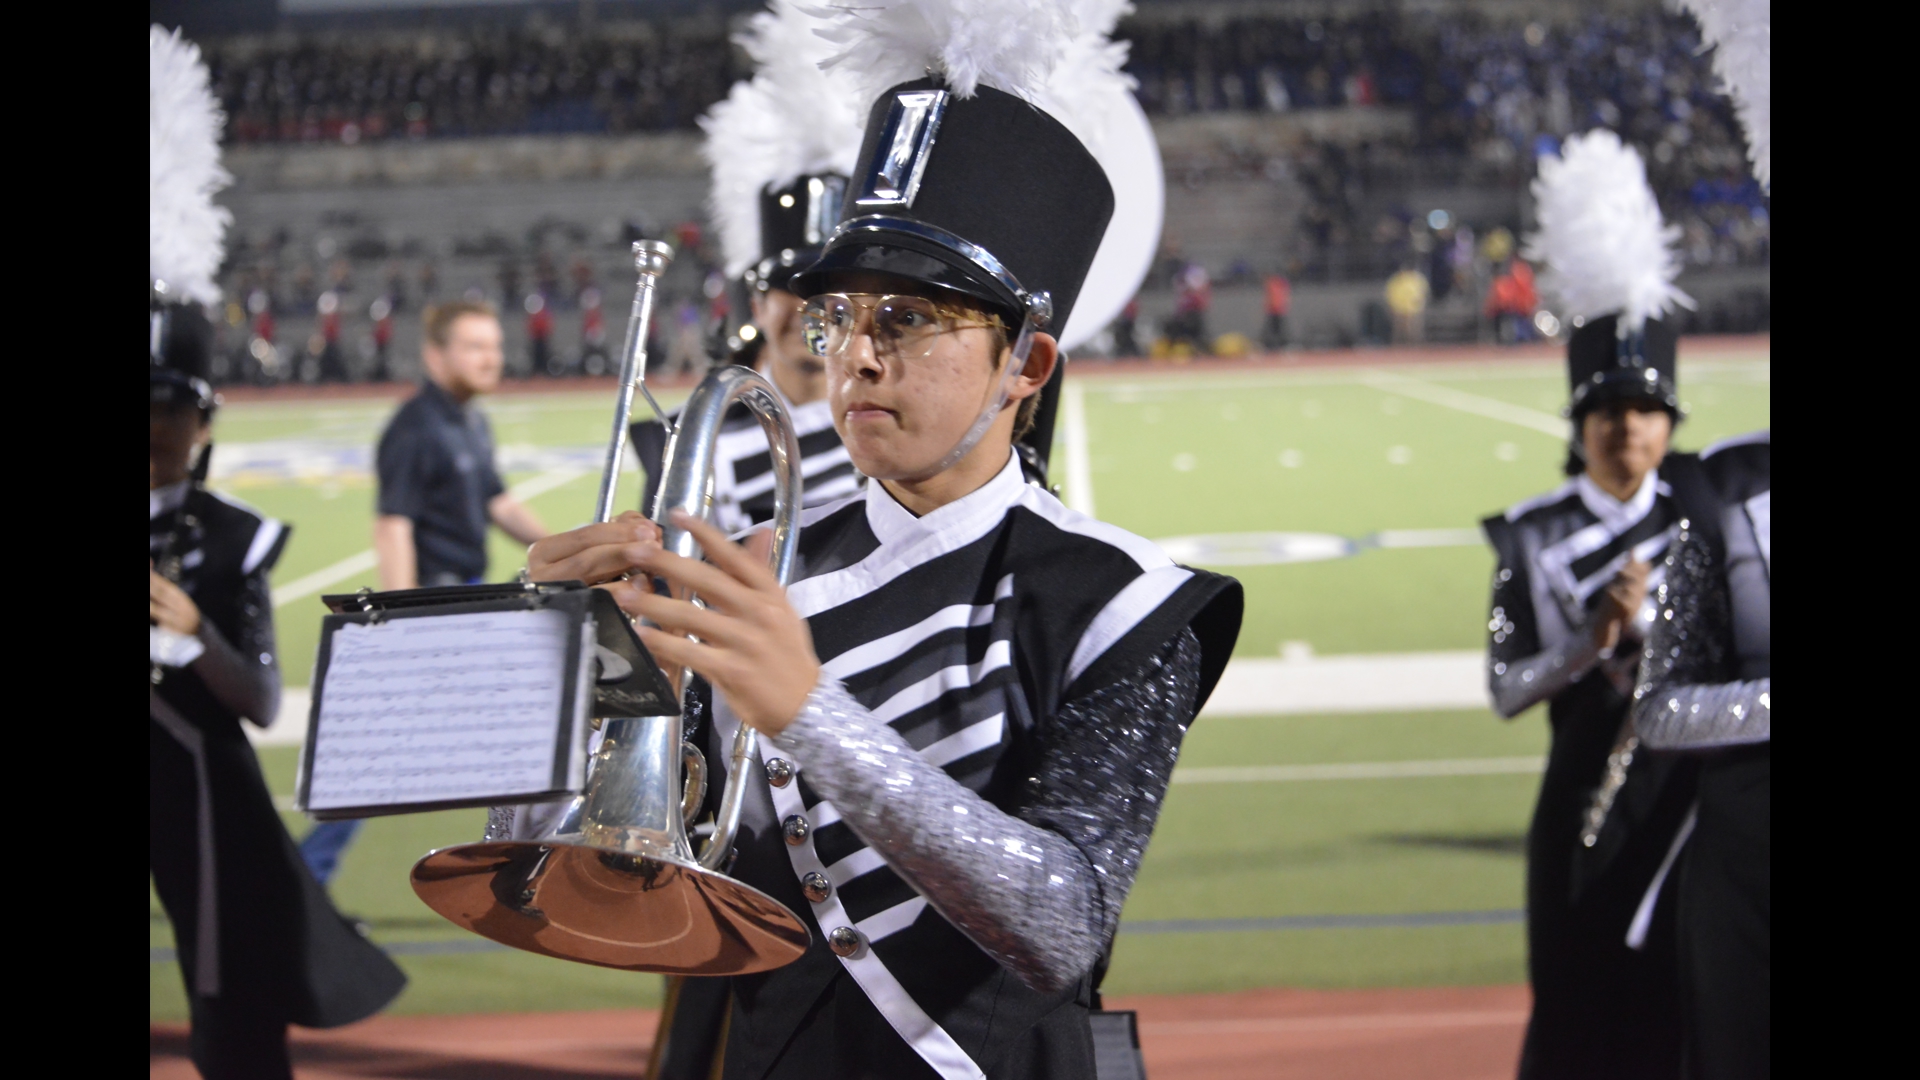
{"points": [[1222, 851]]}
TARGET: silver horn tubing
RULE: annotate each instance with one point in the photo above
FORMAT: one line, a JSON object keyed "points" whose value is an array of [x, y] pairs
{"points": [[687, 485], [650, 259]]}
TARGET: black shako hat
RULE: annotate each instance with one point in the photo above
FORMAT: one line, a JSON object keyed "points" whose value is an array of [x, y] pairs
{"points": [[795, 222], [1603, 366], [180, 348], [988, 196]]}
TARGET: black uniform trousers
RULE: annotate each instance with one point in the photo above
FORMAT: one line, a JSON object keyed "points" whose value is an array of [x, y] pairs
{"points": [[1600, 1009], [1725, 920], [285, 955]]}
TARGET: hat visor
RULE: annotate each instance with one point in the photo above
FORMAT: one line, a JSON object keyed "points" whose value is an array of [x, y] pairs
{"points": [[776, 272], [177, 388], [1628, 384], [899, 255]]}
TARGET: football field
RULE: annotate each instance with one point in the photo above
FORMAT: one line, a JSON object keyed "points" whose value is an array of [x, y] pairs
{"points": [[1349, 815]]}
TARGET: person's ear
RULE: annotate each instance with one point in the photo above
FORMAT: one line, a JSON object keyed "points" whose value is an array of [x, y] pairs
{"points": [[1041, 359], [757, 305]]}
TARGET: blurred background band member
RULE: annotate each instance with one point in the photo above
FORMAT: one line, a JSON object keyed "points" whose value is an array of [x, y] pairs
{"points": [[439, 488], [972, 699], [790, 222], [259, 945], [1568, 615], [1706, 690], [789, 116]]}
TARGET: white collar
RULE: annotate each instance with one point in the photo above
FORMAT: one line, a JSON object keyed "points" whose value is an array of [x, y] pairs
{"points": [[1614, 514], [167, 499], [892, 522]]}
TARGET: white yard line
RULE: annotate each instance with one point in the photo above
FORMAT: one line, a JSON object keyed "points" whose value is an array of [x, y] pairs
{"points": [[303, 587], [1461, 401], [1079, 466], [1357, 770], [353, 565], [1351, 683]]}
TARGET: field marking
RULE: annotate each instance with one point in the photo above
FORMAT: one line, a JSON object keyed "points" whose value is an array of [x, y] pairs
{"points": [[302, 587], [1461, 401], [1079, 465], [1281, 548], [1350, 683], [359, 563], [1357, 770]]}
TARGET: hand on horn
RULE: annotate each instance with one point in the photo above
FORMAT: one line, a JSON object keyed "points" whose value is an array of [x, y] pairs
{"points": [[594, 553], [748, 641]]}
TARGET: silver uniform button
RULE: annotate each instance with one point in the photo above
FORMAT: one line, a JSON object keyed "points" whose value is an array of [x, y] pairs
{"points": [[816, 887], [845, 941], [779, 772], [796, 829]]}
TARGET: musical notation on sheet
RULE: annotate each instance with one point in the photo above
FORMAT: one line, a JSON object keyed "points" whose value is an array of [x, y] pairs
{"points": [[441, 708]]}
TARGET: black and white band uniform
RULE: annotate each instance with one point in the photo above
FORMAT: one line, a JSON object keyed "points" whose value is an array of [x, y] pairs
{"points": [[259, 944], [1606, 815], [960, 804], [1706, 693], [794, 221]]}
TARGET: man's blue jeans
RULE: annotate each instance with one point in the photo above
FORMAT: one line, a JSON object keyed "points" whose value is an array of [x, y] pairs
{"points": [[324, 845]]}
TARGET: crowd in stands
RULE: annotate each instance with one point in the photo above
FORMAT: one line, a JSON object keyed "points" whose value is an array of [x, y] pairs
{"points": [[1485, 98]]}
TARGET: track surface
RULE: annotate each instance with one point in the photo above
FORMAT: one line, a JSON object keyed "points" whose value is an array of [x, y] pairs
{"points": [[1432, 1034]]}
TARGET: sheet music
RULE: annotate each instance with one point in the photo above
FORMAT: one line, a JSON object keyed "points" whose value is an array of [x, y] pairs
{"points": [[441, 707]]}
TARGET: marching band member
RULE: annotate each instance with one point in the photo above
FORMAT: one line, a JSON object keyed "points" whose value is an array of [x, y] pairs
{"points": [[1706, 689], [780, 148], [971, 698], [259, 945], [1706, 683], [1568, 613]]}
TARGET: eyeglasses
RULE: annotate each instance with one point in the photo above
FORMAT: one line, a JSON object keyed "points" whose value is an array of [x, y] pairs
{"points": [[902, 327]]}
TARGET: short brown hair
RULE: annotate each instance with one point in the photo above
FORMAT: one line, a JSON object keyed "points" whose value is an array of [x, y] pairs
{"points": [[439, 318]]}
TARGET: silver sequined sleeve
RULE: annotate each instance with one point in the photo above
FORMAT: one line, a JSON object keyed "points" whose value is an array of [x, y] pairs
{"points": [[1520, 673], [1687, 697], [1041, 890]]}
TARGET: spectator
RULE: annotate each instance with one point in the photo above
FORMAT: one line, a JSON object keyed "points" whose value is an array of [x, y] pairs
{"points": [[1511, 302], [1407, 294], [1273, 336], [381, 313], [1189, 323], [541, 356], [1126, 341]]}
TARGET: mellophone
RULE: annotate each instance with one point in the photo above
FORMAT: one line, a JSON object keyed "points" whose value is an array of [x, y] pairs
{"points": [[485, 694]]}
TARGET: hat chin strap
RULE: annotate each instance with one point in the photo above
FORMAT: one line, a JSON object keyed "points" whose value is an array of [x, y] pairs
{"points": [[1022, 347]]}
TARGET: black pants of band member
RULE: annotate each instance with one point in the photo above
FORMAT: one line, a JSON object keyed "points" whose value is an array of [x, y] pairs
{"points": [[231, 1041], [1725, 922]]}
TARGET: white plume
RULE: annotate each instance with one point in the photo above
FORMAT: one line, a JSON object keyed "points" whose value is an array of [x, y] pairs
{"points": [[1741, 34], [1010, 45], [1088, 91], [188, 230], [790, 120], [1600, 233]]}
